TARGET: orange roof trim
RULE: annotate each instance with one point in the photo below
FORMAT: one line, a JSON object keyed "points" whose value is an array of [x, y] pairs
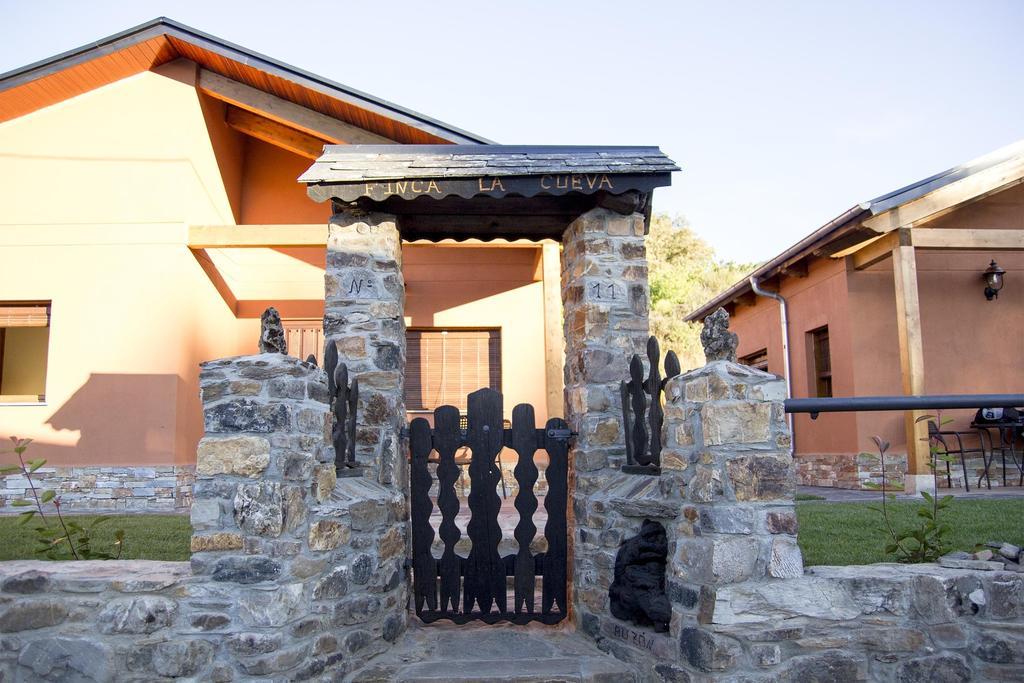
{"points": [[162, 40]]}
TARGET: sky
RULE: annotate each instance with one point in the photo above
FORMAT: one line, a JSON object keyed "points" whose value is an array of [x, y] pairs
{"points": [[781, 114]]}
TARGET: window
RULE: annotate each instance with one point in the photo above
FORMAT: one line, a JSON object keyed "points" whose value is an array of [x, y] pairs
{"points": [[24, 339], [757, 359], [822, 362], [444, 366], [305, 338]]}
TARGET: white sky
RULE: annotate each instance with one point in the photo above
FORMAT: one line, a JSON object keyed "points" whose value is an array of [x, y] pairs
{"points": [[782, 114]]}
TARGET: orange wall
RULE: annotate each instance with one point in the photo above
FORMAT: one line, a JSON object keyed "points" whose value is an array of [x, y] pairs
{"points": [[816, 300], [970, 345], [270, 192], [492, 287], [98, 193]]}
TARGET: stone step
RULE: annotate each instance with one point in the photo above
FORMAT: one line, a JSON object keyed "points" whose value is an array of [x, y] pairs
{"points": [[548, 670], [477, 652]]}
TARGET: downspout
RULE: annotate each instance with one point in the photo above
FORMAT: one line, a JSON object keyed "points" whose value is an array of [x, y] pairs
{"points": [[784, 323]]}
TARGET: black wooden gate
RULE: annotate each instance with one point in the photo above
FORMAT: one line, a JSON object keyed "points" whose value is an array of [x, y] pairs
{"points": [[477, 587]]}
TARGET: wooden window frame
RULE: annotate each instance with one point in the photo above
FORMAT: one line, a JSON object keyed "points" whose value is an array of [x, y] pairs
{"points": [[819, 362], [750, 358], [37, 314]]}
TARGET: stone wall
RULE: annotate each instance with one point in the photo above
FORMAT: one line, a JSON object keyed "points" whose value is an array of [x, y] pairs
{"points": [[850, 471], [157, 488], [742, 606], [364, 316]]}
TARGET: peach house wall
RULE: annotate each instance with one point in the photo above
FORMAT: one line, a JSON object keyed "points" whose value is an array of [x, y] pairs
{"points": [[98, 192]]}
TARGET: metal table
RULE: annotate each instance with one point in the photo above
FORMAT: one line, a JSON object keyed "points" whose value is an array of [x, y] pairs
{"points": [[1008, 431]]}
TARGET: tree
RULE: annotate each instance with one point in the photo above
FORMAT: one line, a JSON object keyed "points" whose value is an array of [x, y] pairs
{"points": [[684, 273]]}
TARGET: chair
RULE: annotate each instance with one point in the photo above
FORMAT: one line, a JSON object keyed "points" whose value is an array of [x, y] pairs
{"points": [[938, 436]]}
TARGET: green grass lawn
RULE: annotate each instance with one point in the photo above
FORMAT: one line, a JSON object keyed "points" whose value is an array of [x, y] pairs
{"points": [[830, 533], [147, 537], [850, 533]]}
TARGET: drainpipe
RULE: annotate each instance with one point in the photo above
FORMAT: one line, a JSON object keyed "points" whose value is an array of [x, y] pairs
{"points": [[784, 322]]}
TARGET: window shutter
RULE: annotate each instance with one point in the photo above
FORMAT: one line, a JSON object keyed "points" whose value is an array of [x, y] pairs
{"points": [[305, 337], [25, 315], [444, 366]]}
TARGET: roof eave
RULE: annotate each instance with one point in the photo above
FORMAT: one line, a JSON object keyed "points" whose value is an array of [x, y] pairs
{"points": [[165, 26], [800, 250]]}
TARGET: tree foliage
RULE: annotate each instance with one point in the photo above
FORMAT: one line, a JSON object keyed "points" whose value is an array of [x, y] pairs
{"points": [[684, 273]]}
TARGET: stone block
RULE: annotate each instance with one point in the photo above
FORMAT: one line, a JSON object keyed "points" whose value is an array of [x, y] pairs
{"points": [[785, 561], [249, 644], [734, 558], [144, 614], [65, 659], [942, 668], [247, 456], [270, 608], [328, 534], [218, 541], [726, 519], [781, 522], [258, 509], [325, 478], [735, 422], [31, 614], [181, 658], [828, 667], [707, 651], [205, 513], [332, 586], [246, 415], [762, 477], [246, 569]]}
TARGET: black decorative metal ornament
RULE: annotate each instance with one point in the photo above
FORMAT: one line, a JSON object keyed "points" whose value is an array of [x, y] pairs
{"points": [[642, 414], [344, 401]]}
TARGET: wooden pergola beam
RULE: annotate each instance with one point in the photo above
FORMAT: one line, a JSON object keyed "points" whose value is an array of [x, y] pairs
{"points": [[554, 353], [275, 133], [969, 238], [241, 236], [911, 343], [283, 111]]}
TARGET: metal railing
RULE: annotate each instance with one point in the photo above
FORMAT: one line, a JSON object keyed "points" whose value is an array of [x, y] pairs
{"points": [[815, 406]]}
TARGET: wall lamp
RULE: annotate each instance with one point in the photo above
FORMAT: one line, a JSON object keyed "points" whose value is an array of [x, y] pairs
{"points": [[993, 277]]}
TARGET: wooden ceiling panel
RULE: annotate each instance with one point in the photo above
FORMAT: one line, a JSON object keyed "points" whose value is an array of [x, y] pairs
{"points": [[162, 40]]}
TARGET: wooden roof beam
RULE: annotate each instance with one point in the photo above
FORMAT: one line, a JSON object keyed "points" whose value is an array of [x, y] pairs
{"points": [[880, 248], [284, 112], [275, 133], [945, 199], [241, 236]]}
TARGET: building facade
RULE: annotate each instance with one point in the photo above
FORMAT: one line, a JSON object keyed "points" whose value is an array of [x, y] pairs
{"points": [[152, 213], [888, 299]]}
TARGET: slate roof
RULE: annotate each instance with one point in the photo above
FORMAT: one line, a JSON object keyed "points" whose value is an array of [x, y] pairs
{"points": [[850, 218], [356, 163]]}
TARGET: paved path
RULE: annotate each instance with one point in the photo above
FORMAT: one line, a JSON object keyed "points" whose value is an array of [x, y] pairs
{"points": [[475, 653], [833, 495]]}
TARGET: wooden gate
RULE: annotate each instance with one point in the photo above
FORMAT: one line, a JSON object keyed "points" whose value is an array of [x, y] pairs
{"points": [[478, 586]]}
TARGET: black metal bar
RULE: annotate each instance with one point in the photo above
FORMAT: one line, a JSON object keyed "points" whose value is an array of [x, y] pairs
{"points": [[877, 403]]}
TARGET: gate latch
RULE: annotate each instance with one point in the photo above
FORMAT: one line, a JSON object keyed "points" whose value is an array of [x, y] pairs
{"points": [[561, 434]]}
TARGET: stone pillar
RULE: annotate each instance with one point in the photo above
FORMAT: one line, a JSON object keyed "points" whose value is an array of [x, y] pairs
{"points": [[297, 573], [728, 442], [605, 308], [364, 313]]}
